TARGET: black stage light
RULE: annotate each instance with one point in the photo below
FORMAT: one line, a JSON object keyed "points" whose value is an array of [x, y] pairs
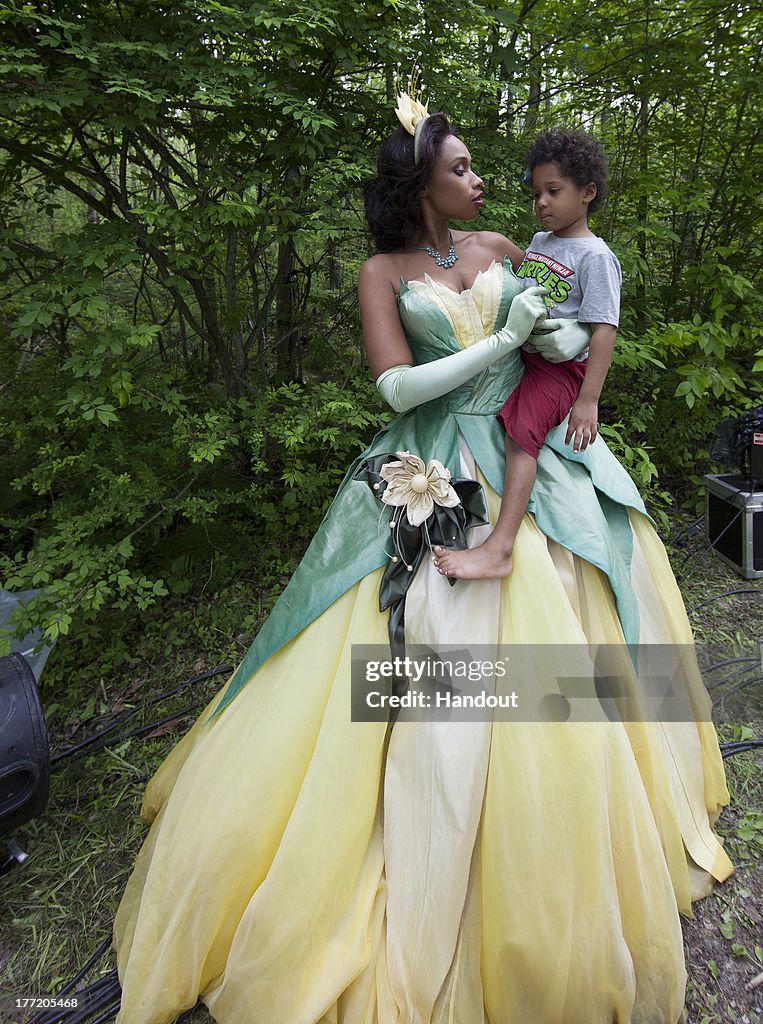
{"points": [[24, 755]]}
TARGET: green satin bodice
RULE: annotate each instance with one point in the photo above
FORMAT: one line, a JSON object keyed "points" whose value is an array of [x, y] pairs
{"points": [[580, 500], [439, 321]]}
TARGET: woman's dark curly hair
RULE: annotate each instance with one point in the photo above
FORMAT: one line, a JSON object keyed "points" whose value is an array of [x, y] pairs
{"points": [[393, 197], [580, 158]]}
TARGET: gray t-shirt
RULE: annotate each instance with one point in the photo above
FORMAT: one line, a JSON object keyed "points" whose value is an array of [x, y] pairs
{"points": [[583, 274]]}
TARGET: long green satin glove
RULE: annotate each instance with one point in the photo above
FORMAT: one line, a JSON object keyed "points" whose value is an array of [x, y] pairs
{"points": [[404, 387], [561, 339]]}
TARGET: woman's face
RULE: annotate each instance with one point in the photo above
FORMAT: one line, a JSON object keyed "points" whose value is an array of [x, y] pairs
{"points": [[453, 190]]}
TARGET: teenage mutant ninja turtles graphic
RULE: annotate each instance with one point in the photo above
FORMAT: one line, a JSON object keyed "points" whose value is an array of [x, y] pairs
{"points": [[550, 272]]}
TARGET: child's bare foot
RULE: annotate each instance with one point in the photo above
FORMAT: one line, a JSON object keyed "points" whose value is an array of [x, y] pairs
{"points": [[489, 561]]}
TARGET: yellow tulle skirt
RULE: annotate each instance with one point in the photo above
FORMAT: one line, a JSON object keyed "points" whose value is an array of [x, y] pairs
{"points": [[304, 868]]}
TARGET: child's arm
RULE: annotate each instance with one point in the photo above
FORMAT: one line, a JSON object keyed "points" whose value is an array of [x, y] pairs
{"points": [[584, 414]]}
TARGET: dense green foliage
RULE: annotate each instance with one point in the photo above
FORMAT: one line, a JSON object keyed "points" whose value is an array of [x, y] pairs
{"points": [[181, 371]]}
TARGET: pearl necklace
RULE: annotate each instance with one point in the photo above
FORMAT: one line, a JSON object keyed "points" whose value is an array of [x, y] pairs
{"points": [[446, 262]]}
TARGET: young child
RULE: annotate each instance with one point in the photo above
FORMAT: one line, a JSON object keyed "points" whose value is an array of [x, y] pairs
{"points": [[568, 174]]}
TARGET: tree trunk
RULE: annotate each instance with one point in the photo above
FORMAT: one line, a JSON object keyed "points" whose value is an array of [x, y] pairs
{"points": [[285, 339], [533, 99]]}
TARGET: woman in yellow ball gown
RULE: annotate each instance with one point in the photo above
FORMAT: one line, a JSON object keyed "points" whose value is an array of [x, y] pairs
{"points": [[307, 868]]}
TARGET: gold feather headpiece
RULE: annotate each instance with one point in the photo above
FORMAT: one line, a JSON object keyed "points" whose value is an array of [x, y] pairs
{"points": [[411, 112]]}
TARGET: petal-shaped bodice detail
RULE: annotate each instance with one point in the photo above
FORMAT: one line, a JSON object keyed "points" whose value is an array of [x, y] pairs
{"points": [[473, 312], [439, 321]]}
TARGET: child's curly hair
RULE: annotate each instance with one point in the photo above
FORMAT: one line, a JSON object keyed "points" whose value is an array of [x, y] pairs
{"points": [[579, 156]]}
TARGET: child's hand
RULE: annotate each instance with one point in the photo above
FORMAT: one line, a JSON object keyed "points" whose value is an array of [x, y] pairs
{"points": [[583, 424]]}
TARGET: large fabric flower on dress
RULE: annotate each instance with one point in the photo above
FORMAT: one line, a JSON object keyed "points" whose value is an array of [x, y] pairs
{"points": [[417, 487], [428, 507]]}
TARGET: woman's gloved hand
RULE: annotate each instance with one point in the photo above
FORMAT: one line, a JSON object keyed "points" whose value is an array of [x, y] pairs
{"points": [[527, 310], [561, 339], [404, 387]]}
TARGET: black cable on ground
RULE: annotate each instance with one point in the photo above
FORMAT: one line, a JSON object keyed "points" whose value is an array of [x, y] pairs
{"points": [[92, 744], [701, 554], [103, 994], [740, 686], [728, 661], [730, 749], [728, 593], [154, 725], [90, 740], [223, 670], [78, 803], [114, 740], [100, 952], [103, 997], [753, 666], [110, 1013], [687, 530]]}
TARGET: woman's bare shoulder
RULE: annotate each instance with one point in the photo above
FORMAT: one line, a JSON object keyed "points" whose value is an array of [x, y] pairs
{"points": [[378, 280], [492, 245], [379, 267]]}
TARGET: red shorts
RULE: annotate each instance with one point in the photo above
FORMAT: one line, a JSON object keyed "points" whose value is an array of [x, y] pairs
{"points": [[541, 400]]}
